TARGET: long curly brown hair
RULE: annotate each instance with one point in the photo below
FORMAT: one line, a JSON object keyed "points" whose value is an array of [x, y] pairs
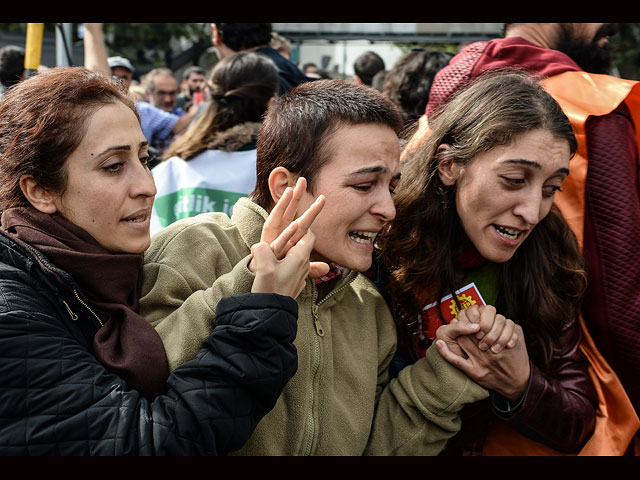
{"points": [[542, 285]]}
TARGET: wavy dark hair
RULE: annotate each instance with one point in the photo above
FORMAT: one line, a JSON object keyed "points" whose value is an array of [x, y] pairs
{"points": [[408, 83], [241, 86], [543, 283]]}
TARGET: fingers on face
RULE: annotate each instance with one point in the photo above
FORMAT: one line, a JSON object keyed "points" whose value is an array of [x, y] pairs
{"points": [[281, 244], [305, 221], [292, 208]]}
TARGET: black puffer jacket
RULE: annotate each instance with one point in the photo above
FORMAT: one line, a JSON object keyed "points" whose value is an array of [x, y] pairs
{"points": [[57, 399]]}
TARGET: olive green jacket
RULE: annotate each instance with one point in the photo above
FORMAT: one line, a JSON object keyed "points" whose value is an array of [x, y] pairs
{"points": [[340, 401]]}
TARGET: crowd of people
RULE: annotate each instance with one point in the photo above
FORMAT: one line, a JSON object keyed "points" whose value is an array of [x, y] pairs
{"points": [[259, 259]]}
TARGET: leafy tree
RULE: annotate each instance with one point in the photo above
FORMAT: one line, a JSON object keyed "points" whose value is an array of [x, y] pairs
{"points": [[152, 43], [626, 50], [146, 44]]}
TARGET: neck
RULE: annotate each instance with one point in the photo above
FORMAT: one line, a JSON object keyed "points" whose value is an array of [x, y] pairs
{"points": [[541, 34]]}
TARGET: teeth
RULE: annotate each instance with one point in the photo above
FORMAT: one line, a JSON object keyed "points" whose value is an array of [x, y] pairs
{"points": [[509, 233], [137, 219], [363, 237]]}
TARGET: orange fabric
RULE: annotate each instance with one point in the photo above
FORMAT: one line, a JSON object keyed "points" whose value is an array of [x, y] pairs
{"points": [[581, 95], [421, 133], [617, 423]]}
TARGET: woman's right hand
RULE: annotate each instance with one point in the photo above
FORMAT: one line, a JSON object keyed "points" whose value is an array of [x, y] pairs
{"points": [[281, 259]]}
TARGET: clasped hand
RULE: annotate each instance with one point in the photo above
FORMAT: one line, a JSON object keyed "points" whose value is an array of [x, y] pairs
{"points": [[488, 348], [281, 260]]}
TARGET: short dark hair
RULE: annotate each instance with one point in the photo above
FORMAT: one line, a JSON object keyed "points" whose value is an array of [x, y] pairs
{"points": [[11, 65], [242, 36], [192, 69], [298, 125], [367, 65]]}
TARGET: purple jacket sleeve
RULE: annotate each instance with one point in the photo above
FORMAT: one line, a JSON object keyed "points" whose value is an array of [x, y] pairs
{"points": [[559, 407]]}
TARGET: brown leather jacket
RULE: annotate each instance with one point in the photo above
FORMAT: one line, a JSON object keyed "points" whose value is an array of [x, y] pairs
{"points": [[558, 408]]}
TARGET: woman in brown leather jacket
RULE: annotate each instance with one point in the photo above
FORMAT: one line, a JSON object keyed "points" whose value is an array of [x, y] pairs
{"points": [[475, 216]]}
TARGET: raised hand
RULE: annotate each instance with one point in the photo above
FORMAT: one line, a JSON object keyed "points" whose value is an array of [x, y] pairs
{"points": [[282, 217], [286, 276], [281, 258]]}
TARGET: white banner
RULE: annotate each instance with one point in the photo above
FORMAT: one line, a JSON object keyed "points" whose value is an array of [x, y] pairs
{"points": [[212, 181]]}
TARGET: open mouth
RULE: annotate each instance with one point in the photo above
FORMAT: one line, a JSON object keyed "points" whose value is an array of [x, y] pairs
{"points": [[364, 238], [508, 233], [139, 219]]}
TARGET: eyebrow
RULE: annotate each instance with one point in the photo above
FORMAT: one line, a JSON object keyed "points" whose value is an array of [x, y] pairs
{"points": [[368, 170], [121, 147], [536, 165]]}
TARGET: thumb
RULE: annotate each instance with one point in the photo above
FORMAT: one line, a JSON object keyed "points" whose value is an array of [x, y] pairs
{"points": [[446, 353], [452, 330], [263, 257], [318, 269]]}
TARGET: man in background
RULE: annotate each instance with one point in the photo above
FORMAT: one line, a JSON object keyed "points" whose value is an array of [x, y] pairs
{"points": [[193, 82], [162, 90], [229, 38]]}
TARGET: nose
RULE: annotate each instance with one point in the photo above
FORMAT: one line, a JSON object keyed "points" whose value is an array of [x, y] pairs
{"points": [[384, 207], [142, 183], [531, 207]]}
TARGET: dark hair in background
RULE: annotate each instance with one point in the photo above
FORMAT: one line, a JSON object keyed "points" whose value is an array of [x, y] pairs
{"points": [[192, 69], [367, 65], [241, 86], [11, 65], [409, 81], [542, 284], [241, 36], [297, 129], [378, 79], [43, 119]]}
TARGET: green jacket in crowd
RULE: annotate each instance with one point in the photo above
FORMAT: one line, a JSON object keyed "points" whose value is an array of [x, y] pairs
{"points": [[340, 401]]}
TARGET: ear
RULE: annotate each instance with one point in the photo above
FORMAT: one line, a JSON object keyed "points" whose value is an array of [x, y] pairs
{"points": [[279, 179], [215, 35], [448, 170], [270, 101], [40, 198]]}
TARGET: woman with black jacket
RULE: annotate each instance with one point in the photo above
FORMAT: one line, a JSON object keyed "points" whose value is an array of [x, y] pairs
{"points": [[81, 372]]}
